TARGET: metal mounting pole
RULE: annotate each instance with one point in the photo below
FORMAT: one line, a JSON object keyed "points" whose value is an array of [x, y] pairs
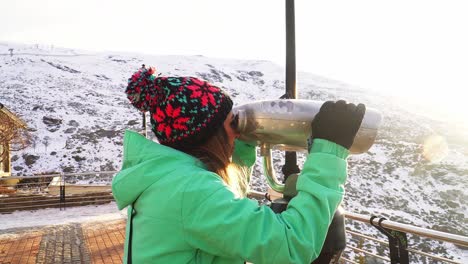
{"points": [[290, 51], [290, 164]]}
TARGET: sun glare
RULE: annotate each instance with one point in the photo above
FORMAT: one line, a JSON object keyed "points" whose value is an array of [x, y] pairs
{"points": [[435, 148]]}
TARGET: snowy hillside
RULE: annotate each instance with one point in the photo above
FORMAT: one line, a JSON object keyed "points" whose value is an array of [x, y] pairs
{"points": [[74, 101]]}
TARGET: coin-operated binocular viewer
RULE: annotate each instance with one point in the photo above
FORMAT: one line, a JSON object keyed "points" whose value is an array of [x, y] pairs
{"points": [[285, 124]]}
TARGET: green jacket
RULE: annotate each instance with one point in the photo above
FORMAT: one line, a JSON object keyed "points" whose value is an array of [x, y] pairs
{"points": [[185, 214]]}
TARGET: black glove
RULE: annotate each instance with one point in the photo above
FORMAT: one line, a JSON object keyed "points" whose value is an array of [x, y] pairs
{"points": [[338, 122]]}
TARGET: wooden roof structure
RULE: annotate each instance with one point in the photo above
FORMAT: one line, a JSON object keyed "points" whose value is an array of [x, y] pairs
{"points": [[12, 116]]}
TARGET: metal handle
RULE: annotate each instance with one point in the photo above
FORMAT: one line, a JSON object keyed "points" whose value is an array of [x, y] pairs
{"points": [[269, 171]]}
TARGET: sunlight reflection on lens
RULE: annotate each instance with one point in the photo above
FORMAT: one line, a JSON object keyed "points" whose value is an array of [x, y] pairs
{"points": [[435, 148]]}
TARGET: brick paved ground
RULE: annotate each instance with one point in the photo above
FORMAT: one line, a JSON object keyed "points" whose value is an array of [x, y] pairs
{"points": [[104, 241], [96, 242], [20, 248]]}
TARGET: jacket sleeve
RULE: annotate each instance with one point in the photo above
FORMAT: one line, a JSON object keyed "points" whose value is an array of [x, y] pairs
{"points": [[217, 223]]}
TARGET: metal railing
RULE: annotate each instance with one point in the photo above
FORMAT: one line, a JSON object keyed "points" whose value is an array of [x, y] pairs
{"points": [[55, 190], [391, 226]]}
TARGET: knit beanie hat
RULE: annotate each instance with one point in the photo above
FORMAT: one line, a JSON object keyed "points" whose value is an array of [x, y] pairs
{"points": [[183, 110]]}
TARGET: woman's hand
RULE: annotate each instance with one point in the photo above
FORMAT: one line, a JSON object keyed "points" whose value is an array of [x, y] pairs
{"points": [[338, 122]]}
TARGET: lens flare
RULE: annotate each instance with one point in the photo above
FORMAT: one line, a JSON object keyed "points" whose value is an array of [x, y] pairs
{"points": [[435, 148]]}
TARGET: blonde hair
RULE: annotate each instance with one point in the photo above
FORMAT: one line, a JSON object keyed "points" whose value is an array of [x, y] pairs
{"points": [[216, 153]]}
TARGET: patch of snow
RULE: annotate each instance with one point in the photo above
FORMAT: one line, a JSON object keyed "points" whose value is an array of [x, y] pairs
{"points": [[55, 216]]}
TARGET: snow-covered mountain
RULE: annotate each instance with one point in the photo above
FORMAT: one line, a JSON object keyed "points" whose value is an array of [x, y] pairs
{"points": [[75, 106]]}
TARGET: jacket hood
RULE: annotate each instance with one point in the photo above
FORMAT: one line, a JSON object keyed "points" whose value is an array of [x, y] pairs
{"points": [[138, 169]]}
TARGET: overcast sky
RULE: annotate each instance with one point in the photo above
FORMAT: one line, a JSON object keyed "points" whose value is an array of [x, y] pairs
{"points": [[413, 47]]}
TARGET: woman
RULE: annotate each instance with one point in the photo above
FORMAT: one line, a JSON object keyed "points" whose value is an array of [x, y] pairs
{"points": [[185, 202]]}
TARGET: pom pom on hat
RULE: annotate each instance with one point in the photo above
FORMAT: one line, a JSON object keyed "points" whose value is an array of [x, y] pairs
{"points": [[141, 89], [183, 110]]}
